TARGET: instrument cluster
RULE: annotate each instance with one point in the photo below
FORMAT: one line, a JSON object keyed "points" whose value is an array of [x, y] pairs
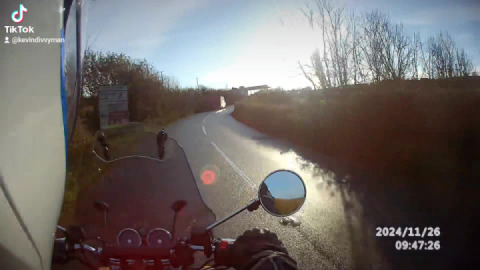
{"points": [[157, 238]]}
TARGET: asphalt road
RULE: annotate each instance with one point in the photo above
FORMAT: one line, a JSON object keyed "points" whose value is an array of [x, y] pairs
{"points": [[332, 234]]}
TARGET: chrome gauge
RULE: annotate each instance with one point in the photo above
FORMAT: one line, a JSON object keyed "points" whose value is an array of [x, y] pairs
{"points": [[129, 238], [159, 238]]}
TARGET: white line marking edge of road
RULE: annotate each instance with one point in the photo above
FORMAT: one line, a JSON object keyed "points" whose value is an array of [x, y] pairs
{"points": [[205, 119], [235, 167]]}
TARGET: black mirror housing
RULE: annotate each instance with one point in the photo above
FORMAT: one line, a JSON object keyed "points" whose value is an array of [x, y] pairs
{"points": [[101, 206], [178, 205], [75, 234]]}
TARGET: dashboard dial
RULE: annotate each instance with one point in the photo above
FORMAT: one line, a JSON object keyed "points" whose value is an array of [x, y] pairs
{"points": [[159, 238], [129, 238]]}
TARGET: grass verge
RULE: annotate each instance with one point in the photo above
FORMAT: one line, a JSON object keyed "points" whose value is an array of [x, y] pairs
{"points": [[421, 137]]}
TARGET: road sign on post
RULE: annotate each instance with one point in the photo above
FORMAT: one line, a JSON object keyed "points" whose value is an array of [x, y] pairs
{"points": [[113, 105]]}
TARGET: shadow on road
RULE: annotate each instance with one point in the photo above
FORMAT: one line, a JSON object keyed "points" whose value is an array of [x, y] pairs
{"points": [[384, 206]]}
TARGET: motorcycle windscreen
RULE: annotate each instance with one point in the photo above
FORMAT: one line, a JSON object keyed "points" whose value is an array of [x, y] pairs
{"points": [[141, 189]]}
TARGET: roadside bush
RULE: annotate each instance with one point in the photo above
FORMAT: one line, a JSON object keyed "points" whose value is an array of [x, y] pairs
{"points": [[421, 137]]}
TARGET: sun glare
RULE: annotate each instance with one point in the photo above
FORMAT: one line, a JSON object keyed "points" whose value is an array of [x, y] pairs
{"points": [[208, 177]]}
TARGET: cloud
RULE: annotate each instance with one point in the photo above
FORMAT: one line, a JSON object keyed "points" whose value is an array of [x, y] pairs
{"points": [[136, 28], [444, 14]]}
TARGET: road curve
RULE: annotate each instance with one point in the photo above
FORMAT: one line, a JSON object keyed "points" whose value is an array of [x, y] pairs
{"points": [[332, 233]]}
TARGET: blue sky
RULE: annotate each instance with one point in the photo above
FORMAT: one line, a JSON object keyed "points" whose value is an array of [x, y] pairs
{"points": [[250, 42], [284, 185]]}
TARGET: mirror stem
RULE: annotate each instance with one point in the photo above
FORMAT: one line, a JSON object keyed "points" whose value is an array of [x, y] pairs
{"points": [[251, 206], [173, 225], [105, 217], [62, 229]]}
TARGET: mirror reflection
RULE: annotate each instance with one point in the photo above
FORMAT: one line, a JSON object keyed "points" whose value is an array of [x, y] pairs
{"points": [[282, 193]]}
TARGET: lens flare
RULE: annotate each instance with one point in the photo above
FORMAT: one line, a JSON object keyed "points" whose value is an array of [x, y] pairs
{"points": [[208, 177]]}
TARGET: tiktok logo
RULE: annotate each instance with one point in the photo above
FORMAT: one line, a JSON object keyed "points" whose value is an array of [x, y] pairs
{"points": [[17, 15]]}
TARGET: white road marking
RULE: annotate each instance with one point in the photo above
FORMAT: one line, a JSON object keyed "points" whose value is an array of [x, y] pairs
{"points": [[235, 167], [203, 124], [205, 119]]}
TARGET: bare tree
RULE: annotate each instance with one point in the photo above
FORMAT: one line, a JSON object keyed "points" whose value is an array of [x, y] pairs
{"points": [[322, 8], [372, 44], [373, 48], [416, 52], [428, 58], [318, 69], [442, 58], [333, 68], [339, 43], [358, 73], [445, 55], [386, 47], [402, 52], [463, 64], [308, 76]]}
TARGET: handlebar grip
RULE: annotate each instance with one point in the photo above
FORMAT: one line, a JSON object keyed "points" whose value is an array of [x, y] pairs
{"points": [[60, 252], [135, 253], [223, 252]]}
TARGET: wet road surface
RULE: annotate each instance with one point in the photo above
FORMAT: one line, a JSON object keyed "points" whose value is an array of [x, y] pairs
{"points": [[335, 229], [332, 233]]}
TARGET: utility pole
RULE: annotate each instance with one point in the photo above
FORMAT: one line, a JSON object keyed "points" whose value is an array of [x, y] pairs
{"points": [[161, 76], [197, 83]]}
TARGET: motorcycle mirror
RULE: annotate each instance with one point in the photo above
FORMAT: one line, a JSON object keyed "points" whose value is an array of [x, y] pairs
{"points": [[104, 207], [101, 206], [100, 144], [162, 137], [75, 234], [282, 193], [178, 205], [101, 138]]}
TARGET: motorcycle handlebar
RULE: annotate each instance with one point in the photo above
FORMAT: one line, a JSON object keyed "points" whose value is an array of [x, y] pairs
{"points": [[219, 248], [136, 252], [85, 248], [142, 252]]}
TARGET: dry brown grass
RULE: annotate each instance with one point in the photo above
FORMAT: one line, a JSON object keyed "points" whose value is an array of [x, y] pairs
{"points": [[286, 206]]}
